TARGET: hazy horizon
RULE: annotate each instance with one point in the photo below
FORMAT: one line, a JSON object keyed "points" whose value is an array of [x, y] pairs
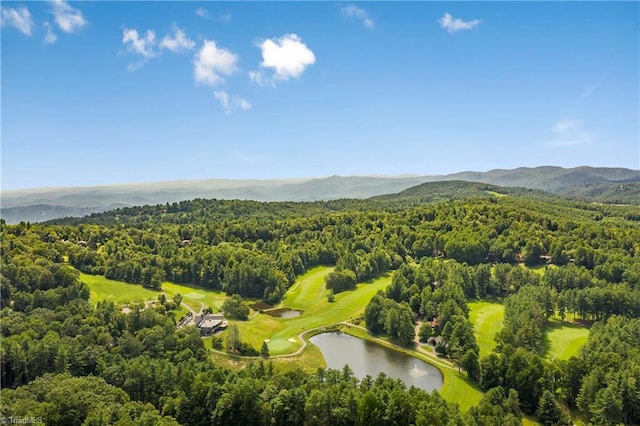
{"points": [[274, 180]]}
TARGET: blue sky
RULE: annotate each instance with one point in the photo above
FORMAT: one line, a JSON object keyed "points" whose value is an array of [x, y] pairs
{"points": [[120, 92]]}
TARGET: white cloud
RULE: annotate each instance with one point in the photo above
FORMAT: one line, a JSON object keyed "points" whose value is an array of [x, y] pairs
{"points": [[228, 102], [212, 62], [203, 13], [143, 46], [563, 126], [241, 103], [50, 37], [570, 132], [69, 19], [288, 56], [18, 18], [134, 66], [223, 97], [225, 18], [180, 42], [358, 13], [259, 77], [453, 25]]}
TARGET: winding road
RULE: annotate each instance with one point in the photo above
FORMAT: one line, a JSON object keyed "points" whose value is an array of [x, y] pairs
{"points": [[203, 306]]}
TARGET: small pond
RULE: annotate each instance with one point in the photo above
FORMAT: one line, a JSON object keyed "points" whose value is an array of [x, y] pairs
{"points": [[366, 357], [284, 313]]}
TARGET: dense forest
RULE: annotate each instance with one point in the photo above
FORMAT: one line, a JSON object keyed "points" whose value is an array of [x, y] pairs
{"points": [[136, 368]]}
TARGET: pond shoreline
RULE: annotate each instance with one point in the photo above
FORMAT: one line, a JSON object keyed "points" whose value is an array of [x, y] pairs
{"points": [[368, 358]]}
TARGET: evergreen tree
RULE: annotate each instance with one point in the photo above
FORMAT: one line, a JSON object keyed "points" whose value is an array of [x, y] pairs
{"points": [[234, 344]]}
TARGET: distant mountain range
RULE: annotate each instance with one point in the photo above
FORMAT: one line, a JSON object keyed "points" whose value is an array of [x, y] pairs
{"points": [[611, 185]]}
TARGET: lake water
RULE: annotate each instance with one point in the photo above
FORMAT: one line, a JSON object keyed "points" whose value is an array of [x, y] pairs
{"points": [[366, 357], [284, 313]]}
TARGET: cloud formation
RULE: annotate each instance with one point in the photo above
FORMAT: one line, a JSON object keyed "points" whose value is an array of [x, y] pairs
{"points": [[453, 25], [203, 13], [211, 63], [143, 46], [68, 18], [241, 103], [223, 97], [178, 42], [358, 13], [229, 102], [19, 18], [147, 46], [225, 18], [570, 132], [50, 37], [286, 56]]}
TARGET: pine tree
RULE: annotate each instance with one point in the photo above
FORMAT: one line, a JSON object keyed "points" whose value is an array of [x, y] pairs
{"points": [[548, 411]]}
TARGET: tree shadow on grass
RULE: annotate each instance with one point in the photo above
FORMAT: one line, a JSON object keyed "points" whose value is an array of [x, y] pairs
{"points": [[554, 325]]}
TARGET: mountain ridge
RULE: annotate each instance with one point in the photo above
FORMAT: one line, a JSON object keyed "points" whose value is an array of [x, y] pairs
{"points": [[616, 185]]}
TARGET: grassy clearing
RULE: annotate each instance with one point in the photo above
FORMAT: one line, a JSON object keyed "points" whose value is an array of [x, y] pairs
{"points": [[102, 288], [538, 269], [564, 340], [487, 318], [308, 290], [195, 296], [459, 390], [310, 360], [310, 296]]}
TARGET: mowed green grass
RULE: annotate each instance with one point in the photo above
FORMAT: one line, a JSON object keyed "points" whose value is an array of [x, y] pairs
{"points": [[195, 296], [102, 288], [564, 340], [310, 360], [487, 318], [310, 296], [456, 387]]}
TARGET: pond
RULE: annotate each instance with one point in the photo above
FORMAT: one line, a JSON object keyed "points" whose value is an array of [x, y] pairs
{"points": [[365, 357], [284, 313]]}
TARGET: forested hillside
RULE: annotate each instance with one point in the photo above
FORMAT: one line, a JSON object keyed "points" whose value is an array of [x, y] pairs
{"points": [[608, 185], [138, 367]]}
